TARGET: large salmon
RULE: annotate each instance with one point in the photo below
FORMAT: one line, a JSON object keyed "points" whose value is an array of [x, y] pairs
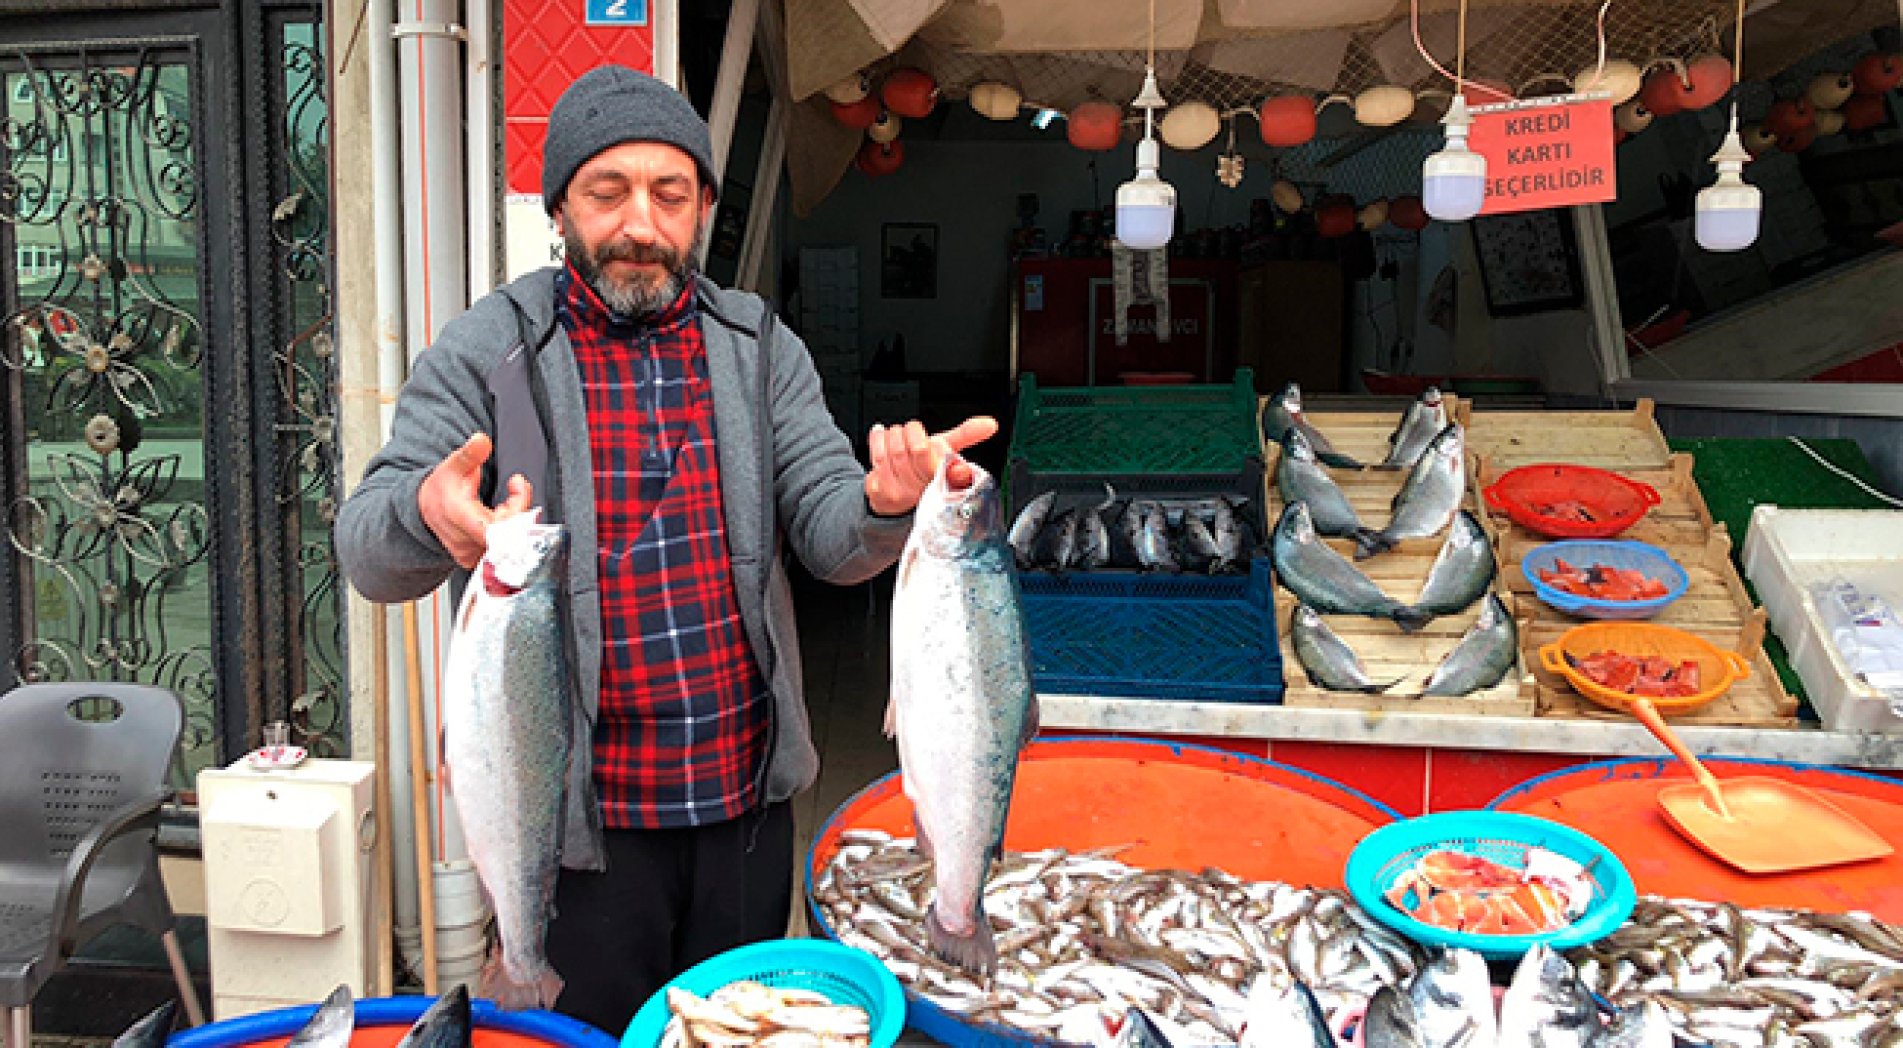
{"points": [[507, 717], [961, 703]]}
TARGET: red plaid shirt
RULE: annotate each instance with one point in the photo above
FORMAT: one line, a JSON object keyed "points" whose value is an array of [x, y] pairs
{"points": [[684, 717]]}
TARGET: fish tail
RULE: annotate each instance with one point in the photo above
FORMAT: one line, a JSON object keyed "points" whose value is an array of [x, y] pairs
{"points": [[1410, 619], [1338, 460], [538, 989], [976, 951], [1369, 542]]}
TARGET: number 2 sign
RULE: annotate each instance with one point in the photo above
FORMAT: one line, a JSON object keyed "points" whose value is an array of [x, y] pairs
{"points": [[617, 12]]}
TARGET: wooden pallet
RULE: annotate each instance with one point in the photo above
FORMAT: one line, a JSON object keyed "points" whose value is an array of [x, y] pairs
{"points": [[1385, 651], [1615, 440]]}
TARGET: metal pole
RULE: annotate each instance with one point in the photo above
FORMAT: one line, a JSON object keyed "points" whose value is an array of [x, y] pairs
{"points": [[734, 55], [766, 188], [667, 42], [479, 76]]}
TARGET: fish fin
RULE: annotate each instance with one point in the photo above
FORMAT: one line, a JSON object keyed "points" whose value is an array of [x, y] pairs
{"points": [[1338, 460], [1391, 467], [977, 952], [1369, 542], [495, 983], [1410, 619]]}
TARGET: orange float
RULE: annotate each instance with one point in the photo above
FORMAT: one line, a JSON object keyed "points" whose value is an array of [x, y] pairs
{"points": [[909, 92], [1288, 120], [1096, 126], [878, 159], [1877, 73], [857, 115], [1864, 112]]}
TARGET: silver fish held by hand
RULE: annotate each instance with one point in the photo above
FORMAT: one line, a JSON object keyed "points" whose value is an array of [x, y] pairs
{"points": [[1325, 580], [151, 1031], [508, 720], [1483, 656], [961, 704], [1327, 659], [1422, 421], [1430, 495], [1462, 570]]}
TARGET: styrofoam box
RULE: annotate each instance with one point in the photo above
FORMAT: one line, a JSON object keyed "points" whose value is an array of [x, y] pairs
{"points": [[1785, 550]]}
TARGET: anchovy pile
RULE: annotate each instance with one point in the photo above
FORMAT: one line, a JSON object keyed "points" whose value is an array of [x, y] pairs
{"points": [[1209, 535], [1766, 978], [1082, 938]]}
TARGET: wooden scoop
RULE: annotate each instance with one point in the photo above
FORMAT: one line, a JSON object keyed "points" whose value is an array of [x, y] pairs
{"points": [[1756, 823]]}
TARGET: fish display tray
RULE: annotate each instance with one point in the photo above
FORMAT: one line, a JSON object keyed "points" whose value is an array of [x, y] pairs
{"points": [[1616, 440], [1785, 551], [1210, 638], [1716, 607], [1098, 430], [1385, 651]]}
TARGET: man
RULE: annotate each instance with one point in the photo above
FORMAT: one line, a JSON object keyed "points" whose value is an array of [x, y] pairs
{"points": [[680, 433]]}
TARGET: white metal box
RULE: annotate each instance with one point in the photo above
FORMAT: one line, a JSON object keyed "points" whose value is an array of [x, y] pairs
{"points": [[288, 882], [1785, 550]]}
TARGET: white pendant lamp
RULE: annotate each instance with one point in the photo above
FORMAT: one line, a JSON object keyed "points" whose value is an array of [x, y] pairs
{"points": [[1146, 205], [1725, 214], [1454, 180]]}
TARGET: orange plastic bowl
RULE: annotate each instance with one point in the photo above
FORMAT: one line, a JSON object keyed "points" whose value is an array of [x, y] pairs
{"points": [[1718, 669], [1614, 502]]}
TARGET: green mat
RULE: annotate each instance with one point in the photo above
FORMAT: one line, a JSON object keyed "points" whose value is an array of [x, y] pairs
{"points": [[1736, 474]]}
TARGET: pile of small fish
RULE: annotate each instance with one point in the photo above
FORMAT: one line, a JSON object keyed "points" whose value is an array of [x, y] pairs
{"points": [[1766, 978], [746, 1013], [1209, 535], [1081, 938]]}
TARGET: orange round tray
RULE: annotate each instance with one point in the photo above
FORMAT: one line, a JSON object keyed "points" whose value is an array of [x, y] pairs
{"points": [[1617, 803], [1175, 805]]}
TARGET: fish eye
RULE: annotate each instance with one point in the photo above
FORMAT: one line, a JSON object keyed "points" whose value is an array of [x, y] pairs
{"points": [[965, 511]]}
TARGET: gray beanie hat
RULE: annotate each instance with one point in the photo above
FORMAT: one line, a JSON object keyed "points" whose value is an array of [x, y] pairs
{"points": [[612, 104]]}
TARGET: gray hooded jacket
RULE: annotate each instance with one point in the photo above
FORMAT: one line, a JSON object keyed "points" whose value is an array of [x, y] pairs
{"points": [[787, 474]]}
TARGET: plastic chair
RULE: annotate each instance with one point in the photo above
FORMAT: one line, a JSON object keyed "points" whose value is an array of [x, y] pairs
{"points": [[82, 775]]}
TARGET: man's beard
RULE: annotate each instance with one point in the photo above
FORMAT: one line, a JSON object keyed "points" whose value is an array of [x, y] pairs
{"points": [[639, 295]]}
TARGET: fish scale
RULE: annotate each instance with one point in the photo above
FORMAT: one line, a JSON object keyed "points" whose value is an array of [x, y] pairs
{"points": [[961, 703], [508, 717]]}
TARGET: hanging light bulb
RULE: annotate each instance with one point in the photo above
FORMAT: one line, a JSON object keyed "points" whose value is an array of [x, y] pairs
{"points": [[1454, 180], [1146, 205], [1725, 215]]}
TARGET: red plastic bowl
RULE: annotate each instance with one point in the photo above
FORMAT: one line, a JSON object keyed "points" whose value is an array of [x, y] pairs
{"points": [[1615, 502]]}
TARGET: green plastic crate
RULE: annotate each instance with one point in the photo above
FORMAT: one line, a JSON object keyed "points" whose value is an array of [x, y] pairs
{"points": [[1136, 429]]}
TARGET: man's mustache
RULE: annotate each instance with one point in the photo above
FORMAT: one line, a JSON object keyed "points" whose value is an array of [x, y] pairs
{"points": [[630, 251]]}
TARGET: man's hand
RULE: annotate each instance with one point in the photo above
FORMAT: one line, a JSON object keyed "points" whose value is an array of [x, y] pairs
{"points": [[451, 501], [904, 460]]}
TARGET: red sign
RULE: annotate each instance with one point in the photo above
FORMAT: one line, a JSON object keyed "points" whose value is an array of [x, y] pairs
{"points": [[546, 44], [1545, 152], [1190, 347]]}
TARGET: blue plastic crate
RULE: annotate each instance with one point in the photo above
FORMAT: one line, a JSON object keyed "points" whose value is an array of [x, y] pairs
{"points": [[1156, 635]]}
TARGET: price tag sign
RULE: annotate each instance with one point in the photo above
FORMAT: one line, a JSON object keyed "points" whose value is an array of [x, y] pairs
{"points": [[1545, 152]]}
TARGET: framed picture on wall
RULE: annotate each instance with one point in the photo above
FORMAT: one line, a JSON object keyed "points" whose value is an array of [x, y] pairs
{"points": [[908, 260], [1529, 262]]}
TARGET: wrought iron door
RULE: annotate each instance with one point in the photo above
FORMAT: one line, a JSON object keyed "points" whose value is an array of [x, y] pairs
{"points": [[168, 427]]}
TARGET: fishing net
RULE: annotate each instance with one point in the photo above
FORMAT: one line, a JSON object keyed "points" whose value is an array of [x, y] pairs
{"points": [[1233, 54]]}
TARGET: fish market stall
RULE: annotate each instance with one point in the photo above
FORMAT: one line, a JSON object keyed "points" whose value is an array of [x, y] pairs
{"points": [[1423, 753]]}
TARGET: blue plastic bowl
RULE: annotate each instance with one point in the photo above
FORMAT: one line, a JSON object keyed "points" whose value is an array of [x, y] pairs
{"points": [[843, 974], [1623, 554], [1384, 855]]}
